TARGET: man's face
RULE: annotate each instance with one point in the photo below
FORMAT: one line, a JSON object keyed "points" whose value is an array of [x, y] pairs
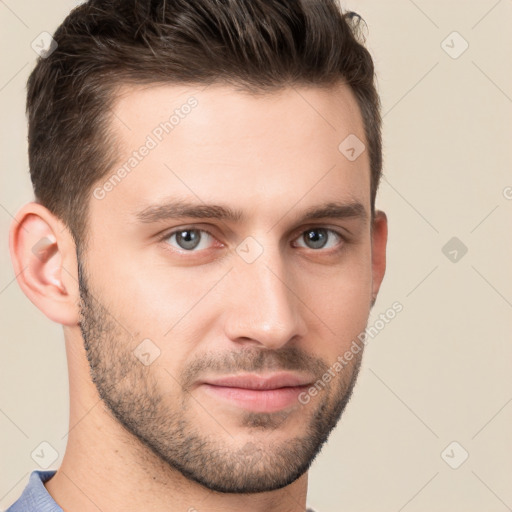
{"points": [[174, 306]]}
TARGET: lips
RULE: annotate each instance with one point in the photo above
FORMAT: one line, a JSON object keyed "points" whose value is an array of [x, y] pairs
{"points": [[258, 393], [260, 382]]}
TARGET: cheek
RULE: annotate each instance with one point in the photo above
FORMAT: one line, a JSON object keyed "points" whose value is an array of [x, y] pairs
{"points": [[350, 278], [146, 292], [169, 306], [343, 306], [342, 302]]}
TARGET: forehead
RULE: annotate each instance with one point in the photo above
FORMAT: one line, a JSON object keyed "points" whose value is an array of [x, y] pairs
{"points": [[216, 144]]}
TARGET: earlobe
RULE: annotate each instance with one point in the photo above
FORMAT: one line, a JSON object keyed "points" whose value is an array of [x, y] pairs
{"points": [[379, 241], [40, 248]]}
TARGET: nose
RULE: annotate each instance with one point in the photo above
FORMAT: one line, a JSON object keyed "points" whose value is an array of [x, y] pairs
{"points": [[264, 306]]}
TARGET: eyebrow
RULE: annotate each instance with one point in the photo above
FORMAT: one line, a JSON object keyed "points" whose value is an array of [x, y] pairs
{"points": [[180, 209]]}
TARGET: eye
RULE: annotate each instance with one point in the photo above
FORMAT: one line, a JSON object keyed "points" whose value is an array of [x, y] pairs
{"points": [[189, 239], [317, 238]]}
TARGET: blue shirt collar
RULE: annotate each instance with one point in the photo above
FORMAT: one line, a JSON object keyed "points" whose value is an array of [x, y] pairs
{"points": [[35, 497]]}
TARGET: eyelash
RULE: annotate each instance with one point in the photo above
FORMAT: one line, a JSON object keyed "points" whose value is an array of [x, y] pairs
{"points": [[332, 250]]}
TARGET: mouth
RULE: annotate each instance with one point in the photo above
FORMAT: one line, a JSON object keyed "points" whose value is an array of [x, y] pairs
{"points": [[258, 393]]}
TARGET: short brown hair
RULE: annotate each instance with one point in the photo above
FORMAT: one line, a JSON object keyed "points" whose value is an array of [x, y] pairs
{"points": [[254, 45]]}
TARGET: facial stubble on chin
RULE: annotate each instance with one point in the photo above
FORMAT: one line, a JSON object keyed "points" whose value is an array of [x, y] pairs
{"points": [[133, 397]]}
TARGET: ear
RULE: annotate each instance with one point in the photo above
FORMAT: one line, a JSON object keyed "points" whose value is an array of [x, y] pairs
{"points": [[44, 260], [379, 240]]}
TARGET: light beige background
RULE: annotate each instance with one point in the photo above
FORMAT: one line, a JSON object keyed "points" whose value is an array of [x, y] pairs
{"points": [[441, 370]]}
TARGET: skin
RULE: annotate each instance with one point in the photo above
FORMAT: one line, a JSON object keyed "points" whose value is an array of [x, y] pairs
{"points": [[150, 437]]}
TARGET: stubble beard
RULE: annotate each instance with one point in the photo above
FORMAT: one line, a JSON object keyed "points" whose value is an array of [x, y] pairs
{"points": [[132, 395]]}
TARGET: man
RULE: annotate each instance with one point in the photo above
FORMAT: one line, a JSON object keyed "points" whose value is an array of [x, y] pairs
{"points": [[205, 231]]}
